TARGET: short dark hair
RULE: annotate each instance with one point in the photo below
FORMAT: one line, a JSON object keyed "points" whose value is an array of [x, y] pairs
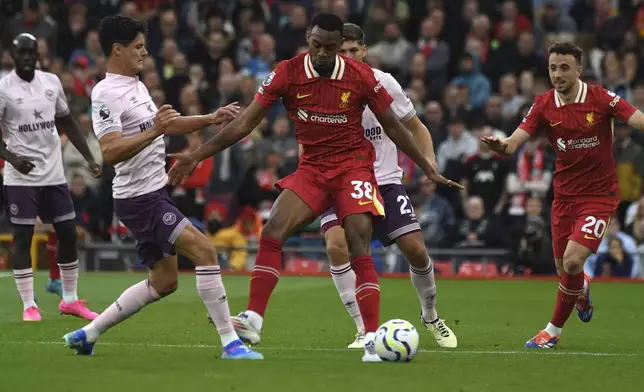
{"points": [[119, 29], [566, 48], [353, 32], [327, 21]]}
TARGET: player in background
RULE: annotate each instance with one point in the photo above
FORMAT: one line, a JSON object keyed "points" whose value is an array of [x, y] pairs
{"points": [[32, 108], [130, 130], [324, 94], [578, 120], [400, 225]]}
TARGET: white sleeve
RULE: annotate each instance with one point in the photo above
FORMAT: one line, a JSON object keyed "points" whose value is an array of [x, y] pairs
{"points": [[402, 107], [106, 113], [62, 109], [3, 105]]}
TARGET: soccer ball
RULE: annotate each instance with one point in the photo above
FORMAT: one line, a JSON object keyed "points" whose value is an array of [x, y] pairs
{"points": [[396, 341]]}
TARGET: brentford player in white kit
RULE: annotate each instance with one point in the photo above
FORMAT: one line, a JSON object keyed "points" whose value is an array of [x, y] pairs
{"points": [[130, 130], [32, 108], [400, 225]]}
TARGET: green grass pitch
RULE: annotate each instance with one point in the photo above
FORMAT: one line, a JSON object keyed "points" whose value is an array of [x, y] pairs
{"points": [[169, 346]]}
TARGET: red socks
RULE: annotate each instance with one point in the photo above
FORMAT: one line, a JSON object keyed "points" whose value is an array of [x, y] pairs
{"points": [[570, 287], [265, 275], [52, 253], [367, 292]]}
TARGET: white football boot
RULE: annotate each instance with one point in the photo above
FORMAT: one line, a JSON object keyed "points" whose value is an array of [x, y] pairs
{"points": [[443, 335], [245, 329], [358, 343], [370, 354]]}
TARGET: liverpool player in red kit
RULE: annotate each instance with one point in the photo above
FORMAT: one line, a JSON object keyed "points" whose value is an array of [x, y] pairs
{"points": [[578, 119], [325, 95]]}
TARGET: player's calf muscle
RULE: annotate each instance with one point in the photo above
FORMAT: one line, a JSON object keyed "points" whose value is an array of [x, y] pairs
{"points": [[164, 276], [67, 238], [21, 256], [336, 246], [413, 248]]}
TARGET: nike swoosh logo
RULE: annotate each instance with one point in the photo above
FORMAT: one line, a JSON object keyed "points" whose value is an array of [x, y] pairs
{"points": [[364, 203], [589, 237], [364, 296], [555, 124], [300, 96]]}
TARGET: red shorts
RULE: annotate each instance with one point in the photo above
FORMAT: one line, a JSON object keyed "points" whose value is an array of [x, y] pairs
{"points": [[582, 221], [352, 191]]}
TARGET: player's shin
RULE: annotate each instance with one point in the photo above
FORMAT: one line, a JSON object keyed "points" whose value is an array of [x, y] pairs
{"points": [[367, 292], [68, 259], [264, 277], [570, 287], [212, 292], [52, 247], [130, 302], [425, 285]]}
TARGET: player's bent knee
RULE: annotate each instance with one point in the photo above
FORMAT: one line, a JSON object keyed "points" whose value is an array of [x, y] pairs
{"points": [[338, 252], [416, 254], [67, 239], [165, 286]]}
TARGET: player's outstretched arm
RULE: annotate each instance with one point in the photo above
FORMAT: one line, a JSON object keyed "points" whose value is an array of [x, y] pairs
{"points": [[423, 137], [188, 124], [235, 131], [404, 140], [637, 120], [509, 145], [116, 148], [78, 140]]}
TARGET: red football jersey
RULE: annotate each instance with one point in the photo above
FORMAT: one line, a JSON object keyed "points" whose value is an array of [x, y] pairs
{"points": [[327, 111], [581, 134]]}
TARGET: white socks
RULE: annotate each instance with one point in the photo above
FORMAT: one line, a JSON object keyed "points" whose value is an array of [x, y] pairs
{"points": [[25, 283], [212, 292], [425, 284], [69, 279], [131, 301], [553, 330], [344, 279]]}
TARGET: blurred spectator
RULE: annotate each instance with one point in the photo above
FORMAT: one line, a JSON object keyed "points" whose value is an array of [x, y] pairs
{"points": [[460, 145], [77, 104], [437, 55], [510, 13], [261, 65], [553, 21], [233, 240], [532, 176], [189, 196], [90, 52], [210, 53], [282, 140], [629, 159], [634, 221], [434, 120], [511, 101], [532, 244], [393, 52], [75, 164], [481, 31], [615, 258], [435, 214], [74, 31], [247, 46], [292, 34], [602, 21], [471, 77], [527, 57], [475, 231], [33, 21], [484, 175]]}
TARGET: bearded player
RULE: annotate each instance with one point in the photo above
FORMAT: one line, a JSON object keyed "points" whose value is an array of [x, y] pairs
{"points": [[578, 119], [400, 225], [324, 94], [32, 108]]}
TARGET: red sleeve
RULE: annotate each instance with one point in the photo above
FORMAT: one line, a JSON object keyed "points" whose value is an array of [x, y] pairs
{"points": [[273, 87], [532, 121], [618, 107], [375, 94]]}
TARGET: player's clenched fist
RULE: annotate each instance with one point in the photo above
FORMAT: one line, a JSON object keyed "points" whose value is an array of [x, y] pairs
{"points": [[165, 115]]}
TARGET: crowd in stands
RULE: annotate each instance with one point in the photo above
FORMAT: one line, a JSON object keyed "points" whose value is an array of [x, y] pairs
{"points": [[471, 68]]}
